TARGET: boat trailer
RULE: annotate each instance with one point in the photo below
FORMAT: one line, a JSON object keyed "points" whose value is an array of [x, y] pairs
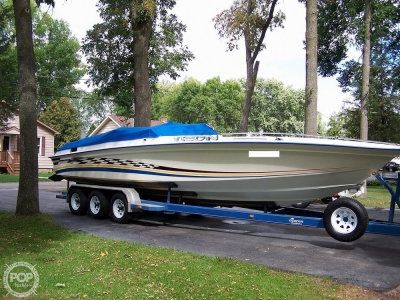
{"points": [[347, 219]]}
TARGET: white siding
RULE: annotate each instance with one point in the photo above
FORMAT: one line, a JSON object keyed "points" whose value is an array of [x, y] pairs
{"points": [[14, 133], [13, 123], [110, 125], [44, 161]]}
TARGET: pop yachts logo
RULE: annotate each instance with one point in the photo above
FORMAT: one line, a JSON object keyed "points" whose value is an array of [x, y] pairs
{"points": [[293, 221], [21, 279]]}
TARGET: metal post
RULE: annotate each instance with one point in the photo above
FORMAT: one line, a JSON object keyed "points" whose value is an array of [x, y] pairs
{"points": [[169, 194], [394, 195]]}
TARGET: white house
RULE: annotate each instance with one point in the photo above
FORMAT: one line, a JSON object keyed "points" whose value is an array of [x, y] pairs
{"points": [[114, 122], [10, 146]]}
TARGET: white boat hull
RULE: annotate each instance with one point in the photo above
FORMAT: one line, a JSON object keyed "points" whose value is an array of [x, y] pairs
{"points": [[245, 170]]}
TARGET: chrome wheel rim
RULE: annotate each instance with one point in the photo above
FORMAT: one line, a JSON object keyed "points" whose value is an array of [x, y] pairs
{"points": [[118, 208], [95, 204], [344, 220], [75, 201]]}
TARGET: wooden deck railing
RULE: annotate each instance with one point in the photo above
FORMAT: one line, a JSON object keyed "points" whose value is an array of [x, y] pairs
{"points": [[10, 161], [3, 157]]}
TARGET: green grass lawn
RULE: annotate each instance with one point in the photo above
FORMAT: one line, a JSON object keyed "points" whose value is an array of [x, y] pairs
{"points": [[15, 178], [377, 196], [75, 265]]}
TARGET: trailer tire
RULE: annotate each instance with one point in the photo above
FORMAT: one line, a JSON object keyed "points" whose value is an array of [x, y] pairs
{"points": [[119, 209], [99, 207], [346, 219], [77, 201]]}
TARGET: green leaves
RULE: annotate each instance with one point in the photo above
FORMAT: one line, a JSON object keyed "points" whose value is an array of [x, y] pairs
{"points": [[340, 27], [110, 51], [58, 64], [63, 117], [215, 103], [276, 108], [8, 63], [249, 19]]}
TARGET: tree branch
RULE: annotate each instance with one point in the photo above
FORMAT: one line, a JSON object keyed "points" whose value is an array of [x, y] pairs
{"points": [[264, 30]]}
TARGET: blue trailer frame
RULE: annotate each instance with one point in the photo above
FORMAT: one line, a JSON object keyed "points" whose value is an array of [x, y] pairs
{"points": [[282, 215]]}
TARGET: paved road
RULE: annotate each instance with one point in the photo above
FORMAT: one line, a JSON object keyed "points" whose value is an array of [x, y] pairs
{"points": [[371, 262]]}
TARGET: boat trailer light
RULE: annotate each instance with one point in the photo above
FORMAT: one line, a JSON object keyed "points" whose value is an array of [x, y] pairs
{"points": [[251, 216]]}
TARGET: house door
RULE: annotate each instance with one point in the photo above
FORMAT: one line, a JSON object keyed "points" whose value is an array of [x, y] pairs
{"points": [[6, 143], [5, 146]]}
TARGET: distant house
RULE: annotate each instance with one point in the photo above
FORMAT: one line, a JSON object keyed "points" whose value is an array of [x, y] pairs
{"points": [[10, 146], [113, 122]]}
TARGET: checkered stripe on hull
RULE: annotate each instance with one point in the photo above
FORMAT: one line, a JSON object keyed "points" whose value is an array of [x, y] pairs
{"points": [[105, 161]]}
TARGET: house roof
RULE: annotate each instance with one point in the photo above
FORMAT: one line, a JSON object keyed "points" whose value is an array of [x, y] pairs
{"points": [[156, 122], [11, 130], [16, 130], [48, 127], [122, 121]]}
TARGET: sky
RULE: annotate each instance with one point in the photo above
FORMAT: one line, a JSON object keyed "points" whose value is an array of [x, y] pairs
{"points": [[283, 59]]}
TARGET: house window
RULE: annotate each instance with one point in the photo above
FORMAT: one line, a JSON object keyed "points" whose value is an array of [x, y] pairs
{"points": [[39, 145], [41, 142]]}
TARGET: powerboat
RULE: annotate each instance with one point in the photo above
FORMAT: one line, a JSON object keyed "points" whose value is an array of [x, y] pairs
{"points": [[245, 168]]}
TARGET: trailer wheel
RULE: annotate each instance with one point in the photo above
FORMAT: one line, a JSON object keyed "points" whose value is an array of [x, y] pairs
{"points": [[346, 219], [77, 201], [99, 207], [119, 209]]}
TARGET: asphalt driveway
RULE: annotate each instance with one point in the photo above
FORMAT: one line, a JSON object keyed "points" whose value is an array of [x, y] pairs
{"points": [[372, 262]]}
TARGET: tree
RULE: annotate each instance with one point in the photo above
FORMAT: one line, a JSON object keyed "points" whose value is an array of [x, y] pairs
{"points": [[215, 103], [61, 116], [277, 108], [137, 42], [6, 112], [311, 92], [58, 64], [91, 108], [336, 126], [8, 65], [383, 88], [384, 104], [28, 194], [344, 23], [366, 53], [161, 99], [249, 19]]}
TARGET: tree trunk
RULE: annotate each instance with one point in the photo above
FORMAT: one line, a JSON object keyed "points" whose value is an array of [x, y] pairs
{"points": [[28, 195], [311, 96], [142, 92], [365, 73], [365, 78], [250, 84]]}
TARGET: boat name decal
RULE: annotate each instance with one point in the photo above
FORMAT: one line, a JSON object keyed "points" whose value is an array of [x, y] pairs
{"points": [[293, 221], [198, 138], [264, 154]]}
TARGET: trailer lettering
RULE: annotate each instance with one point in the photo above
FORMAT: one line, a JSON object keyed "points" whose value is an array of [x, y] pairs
{"points": [[293, 221]]}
